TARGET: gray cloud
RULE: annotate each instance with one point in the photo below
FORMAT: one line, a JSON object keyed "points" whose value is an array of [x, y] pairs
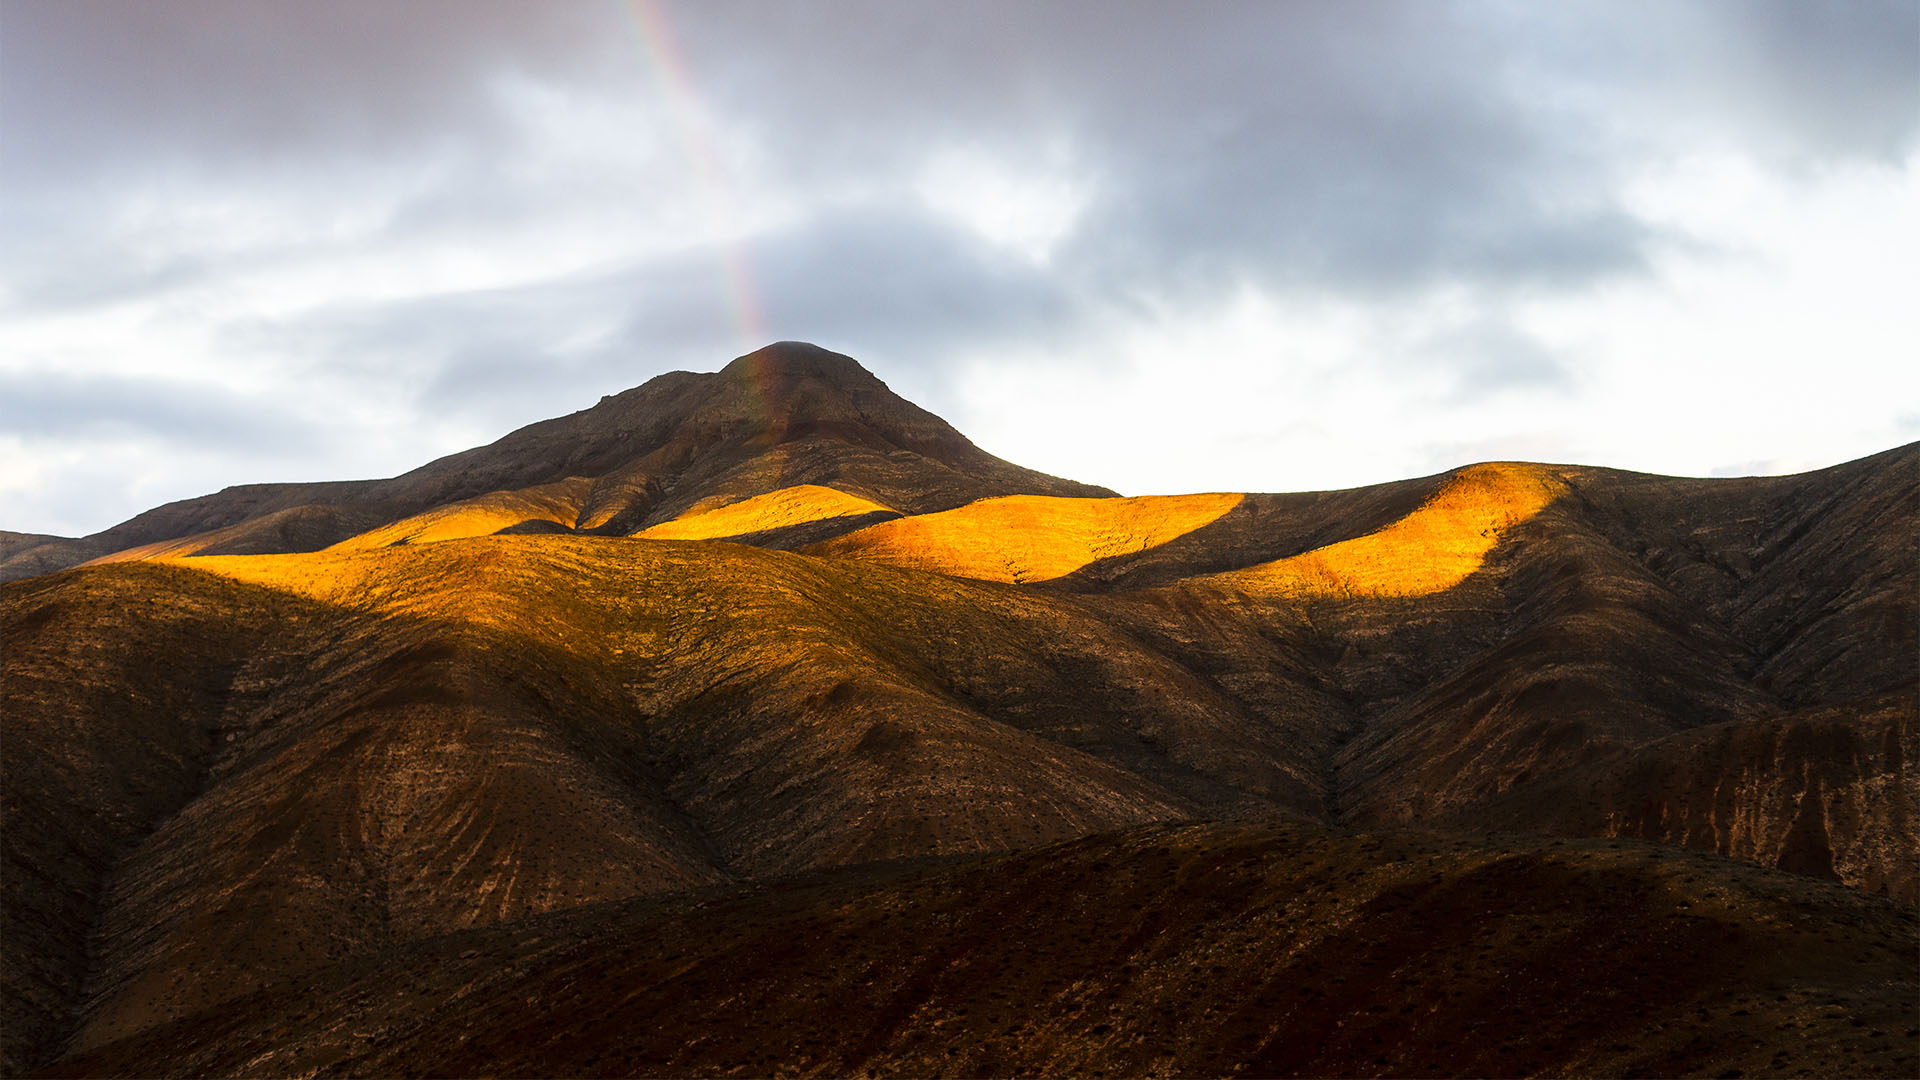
{"points": [[76, 493], [205, 85], [902, 286], [1337, 145], [1322, 145], [1296, 143], [489, 359], [1361, 153], [1307, 145], [902, 282], [1487, 355], [1805, 78], [193, 414]]}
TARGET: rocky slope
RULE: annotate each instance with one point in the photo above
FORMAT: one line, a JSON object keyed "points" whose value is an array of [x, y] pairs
{"points": [[643, 674], [788, 414], [1183, 951]]}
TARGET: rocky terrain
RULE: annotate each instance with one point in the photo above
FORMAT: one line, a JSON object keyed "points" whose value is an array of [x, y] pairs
{"points": [[787, 415], [758, 722], [1205, 950]]}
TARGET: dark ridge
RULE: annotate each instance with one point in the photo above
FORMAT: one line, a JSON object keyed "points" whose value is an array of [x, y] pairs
{"points": [[534, 527], [794, 360], [1208, 950]]}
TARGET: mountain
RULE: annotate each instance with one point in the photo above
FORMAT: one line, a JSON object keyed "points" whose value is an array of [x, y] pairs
{"points": [[758, 720], [789, 414]]}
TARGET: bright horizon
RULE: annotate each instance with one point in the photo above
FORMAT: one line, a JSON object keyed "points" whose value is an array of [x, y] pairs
{"points": [[1264, 248]]}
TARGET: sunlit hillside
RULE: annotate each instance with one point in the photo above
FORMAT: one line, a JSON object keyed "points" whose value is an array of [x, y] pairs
{"points": [[758, 719], [558, 504], [1031, 538], [1436, 547], [798, 505]]}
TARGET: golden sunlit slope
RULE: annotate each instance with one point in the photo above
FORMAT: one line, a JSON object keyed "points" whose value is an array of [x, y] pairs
{"points": [[298, 528], [1434, 548], [1724, 664], [1030, 538], [558, 507], [258, 800], [559, 504], [161, 549], [368, 746], [164, 549], [691, 615], [567, 505], [224, 771], [801, 504]]}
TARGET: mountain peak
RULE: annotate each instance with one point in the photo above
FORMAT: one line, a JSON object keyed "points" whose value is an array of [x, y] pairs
{"points": [[799, 359], [799, 382], [790, 413]]}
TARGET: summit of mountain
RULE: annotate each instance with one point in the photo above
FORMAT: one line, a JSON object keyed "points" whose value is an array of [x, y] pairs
{"points": [[790, 413]]}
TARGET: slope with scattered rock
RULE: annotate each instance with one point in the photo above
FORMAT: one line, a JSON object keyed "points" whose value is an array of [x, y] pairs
{"points": [[614, 681]]}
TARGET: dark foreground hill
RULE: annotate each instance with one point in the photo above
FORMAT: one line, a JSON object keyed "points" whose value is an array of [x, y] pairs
{"points": [[1173, 951], [496, 785]]}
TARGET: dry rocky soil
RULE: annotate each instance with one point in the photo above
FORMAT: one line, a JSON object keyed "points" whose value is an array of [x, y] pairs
{"points": [[758, 723]]}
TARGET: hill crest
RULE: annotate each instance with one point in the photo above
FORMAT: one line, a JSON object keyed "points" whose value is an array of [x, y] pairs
{"points": [[787, 414]]}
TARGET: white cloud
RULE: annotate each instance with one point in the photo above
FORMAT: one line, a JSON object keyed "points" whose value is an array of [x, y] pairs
{"points": [[1786, 333], [1026, 208], [1781, 337]]}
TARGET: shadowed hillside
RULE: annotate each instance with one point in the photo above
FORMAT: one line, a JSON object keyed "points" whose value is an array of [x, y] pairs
{"points": [[1197, 951], [659, 710]]}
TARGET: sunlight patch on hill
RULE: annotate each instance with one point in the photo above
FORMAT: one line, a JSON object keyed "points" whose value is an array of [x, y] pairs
{"points": [[394, 580], [587, 596], [797, 505], [297, 528], [1431, 549], [166, 549], [1027, 538], [483, 515]]}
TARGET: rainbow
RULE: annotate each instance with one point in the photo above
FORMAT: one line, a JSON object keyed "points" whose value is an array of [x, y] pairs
{"points": [[669, 63]]}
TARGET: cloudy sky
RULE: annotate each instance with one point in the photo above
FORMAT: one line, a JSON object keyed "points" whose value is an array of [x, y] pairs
{"points": [[1163, 247]]}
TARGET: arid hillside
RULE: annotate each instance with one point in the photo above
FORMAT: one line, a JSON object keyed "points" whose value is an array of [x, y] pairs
{"points": [[758, 721], [787, 415], [1207, 950]]}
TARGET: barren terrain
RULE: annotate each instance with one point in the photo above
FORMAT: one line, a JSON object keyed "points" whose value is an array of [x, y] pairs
{"points": [[758, 722]]}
